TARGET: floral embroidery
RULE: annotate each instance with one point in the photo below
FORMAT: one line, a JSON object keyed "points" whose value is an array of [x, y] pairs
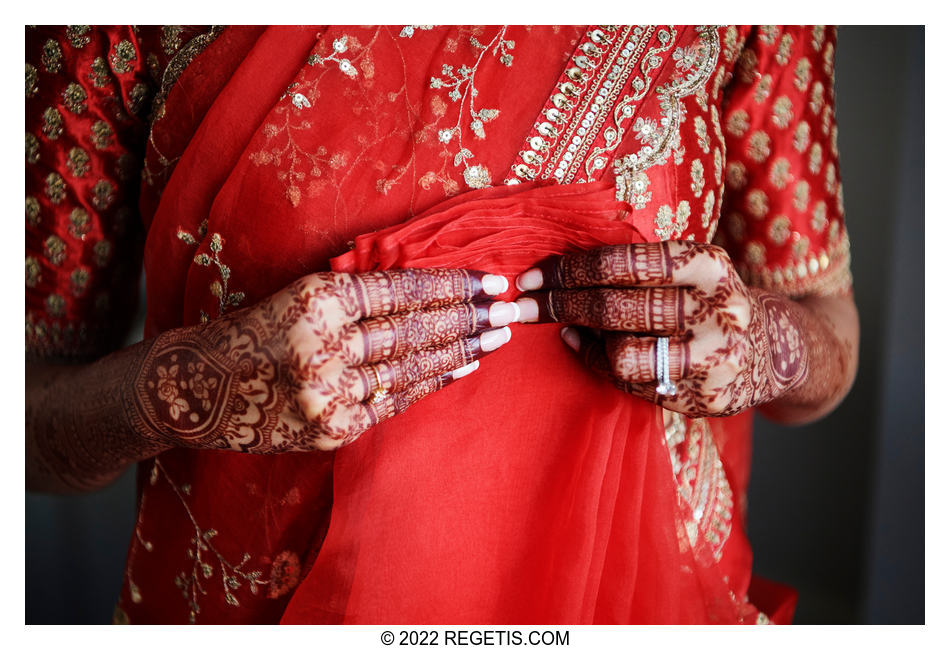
{"points": [[409, 30], [670, 225], [202, 552], [219, 289], [461, 83], [339, 47]]}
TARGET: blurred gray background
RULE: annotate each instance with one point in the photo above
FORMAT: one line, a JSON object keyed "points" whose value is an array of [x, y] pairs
{"points": [[836, 509]]}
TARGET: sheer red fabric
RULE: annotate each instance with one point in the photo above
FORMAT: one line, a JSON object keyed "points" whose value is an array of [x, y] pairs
{"points": [[530, 491]]}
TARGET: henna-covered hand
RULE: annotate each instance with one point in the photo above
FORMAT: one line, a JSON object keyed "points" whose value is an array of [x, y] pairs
{"points": [[730, 346], [318, 363]]}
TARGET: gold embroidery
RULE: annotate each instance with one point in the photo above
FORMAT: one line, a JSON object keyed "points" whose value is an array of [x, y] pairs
{"points": [[52, 56], [703, 490], [32, 149], [32, 211], [32, 81], [52, 123], [102, 135], [77, 161], [100, 72], [137, 98], [757, 203], [55, 188], [201, 553], [78, 280], [78, 35], [55, 305], [33, 272], [463, 91], [219, 289], [103, 194], [55, 250], [123, 54], [668, 225], [171, 38], [79, 223]]}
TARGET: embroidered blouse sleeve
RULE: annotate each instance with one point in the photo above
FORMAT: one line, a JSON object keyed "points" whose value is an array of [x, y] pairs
{"points": [[88, 93], [783, 214]]}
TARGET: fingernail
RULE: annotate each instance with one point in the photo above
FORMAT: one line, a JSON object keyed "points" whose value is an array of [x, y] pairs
{"points": [[465, 370], [529, 310], [502, 313], [570, 336], [530, 280], [494, 285], [494, 339]]}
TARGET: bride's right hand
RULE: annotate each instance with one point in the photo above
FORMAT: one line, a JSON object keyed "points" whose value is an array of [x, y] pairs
{"points": [[302, 369]]}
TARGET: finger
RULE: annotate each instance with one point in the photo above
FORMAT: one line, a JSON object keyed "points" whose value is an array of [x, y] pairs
{"points": [[624, 265], [389, 337], [395, 403], [396, 375], [653, 310], [630, 359], [390, 292], [651, 264]]}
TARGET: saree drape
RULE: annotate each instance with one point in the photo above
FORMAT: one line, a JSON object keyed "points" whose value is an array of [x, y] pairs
{"points": [[531, 491]]}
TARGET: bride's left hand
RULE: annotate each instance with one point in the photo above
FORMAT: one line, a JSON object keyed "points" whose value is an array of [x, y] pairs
{"points": [[730, 346]]}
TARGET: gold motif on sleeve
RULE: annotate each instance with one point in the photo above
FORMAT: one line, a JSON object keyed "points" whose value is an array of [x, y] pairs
{"points": [[78, 35], [32, 211], [52, 56], [32, 149], [32, 81], [122, 56]]}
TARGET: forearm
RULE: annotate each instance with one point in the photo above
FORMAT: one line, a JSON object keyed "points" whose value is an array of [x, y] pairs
{"points": [[830, 330], [79, 435]]}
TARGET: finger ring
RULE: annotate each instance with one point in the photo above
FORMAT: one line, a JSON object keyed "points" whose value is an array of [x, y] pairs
{"points": [[664, 385], [379, 393]]}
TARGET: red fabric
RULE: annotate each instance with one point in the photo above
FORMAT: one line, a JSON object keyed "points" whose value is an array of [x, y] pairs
{"points": [[530, 491]]}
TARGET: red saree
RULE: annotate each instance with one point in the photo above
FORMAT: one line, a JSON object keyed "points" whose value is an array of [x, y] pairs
{"points": [[530, 492]]}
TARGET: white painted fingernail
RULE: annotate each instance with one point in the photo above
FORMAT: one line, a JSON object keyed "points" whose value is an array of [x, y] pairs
{"points": [[517, 308], [502, 313], [529, 310], [530, 280], [494, 339], [570, 336], [494, 285], [465, 370]]}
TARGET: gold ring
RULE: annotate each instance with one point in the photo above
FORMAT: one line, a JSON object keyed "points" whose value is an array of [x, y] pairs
{"points": [[379, 393]]}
